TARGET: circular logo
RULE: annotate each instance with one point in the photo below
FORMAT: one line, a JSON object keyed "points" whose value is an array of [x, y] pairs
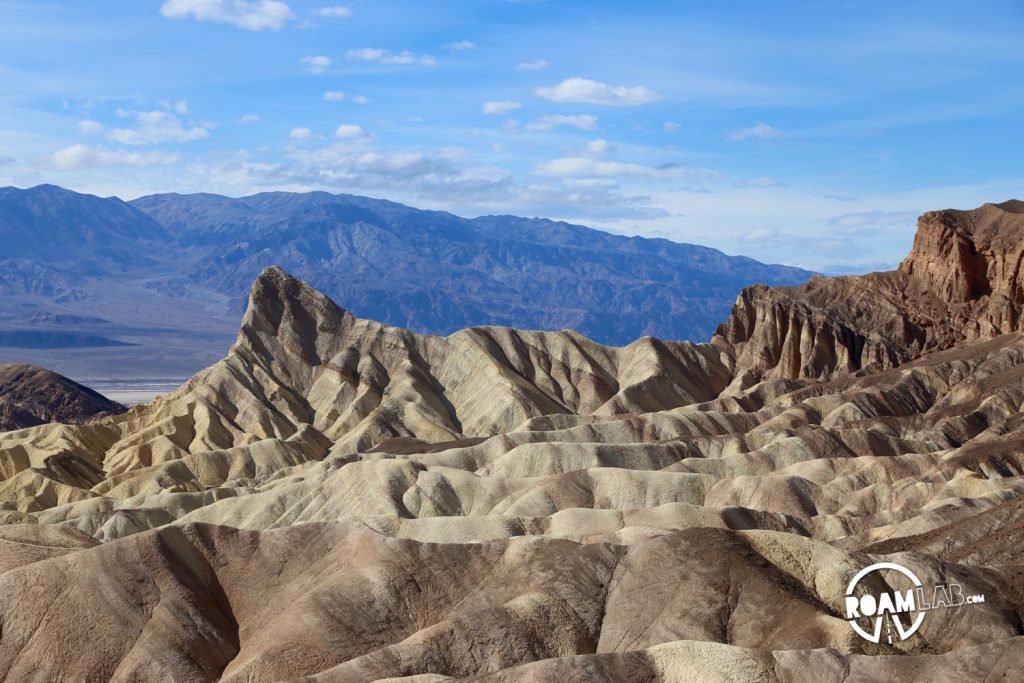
{"points": [[892, 608]]}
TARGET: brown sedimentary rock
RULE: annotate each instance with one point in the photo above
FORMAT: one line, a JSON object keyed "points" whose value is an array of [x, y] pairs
{"points": [[960, 282], [338, 500]]}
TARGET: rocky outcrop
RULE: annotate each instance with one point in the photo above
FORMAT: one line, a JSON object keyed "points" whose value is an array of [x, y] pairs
{"points": [[971, 262], [339, 500], [364, 382], [960, 282], [826, 328], [30, 395]]}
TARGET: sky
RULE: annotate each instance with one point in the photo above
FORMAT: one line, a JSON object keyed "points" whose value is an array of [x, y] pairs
{"points": [[806, 133]]}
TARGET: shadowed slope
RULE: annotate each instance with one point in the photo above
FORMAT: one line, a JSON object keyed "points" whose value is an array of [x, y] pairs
{"points": [[339, 500], [31, 396], [342, 603]]}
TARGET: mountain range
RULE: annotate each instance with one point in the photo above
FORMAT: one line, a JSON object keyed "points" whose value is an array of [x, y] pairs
{"points": [[160, 267], [342, 500], [436, 273]]}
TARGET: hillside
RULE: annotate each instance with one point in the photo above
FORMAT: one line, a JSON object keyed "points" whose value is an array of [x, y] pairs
{"points": [[31, 396], [88, 235], [342, 500]]}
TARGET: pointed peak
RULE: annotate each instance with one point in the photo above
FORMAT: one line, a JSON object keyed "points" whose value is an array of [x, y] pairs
{"points": [[275, 274], [275, 285], [285, 311]]}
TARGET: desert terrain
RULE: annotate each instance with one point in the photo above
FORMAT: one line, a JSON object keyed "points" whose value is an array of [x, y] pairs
{"points": [[340, 500]]}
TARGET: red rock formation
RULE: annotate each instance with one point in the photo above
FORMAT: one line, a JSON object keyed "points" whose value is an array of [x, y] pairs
{"points": [[960, 282]]}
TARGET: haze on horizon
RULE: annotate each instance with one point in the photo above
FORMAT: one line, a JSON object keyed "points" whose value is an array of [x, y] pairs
{"points": [[810, 134]]}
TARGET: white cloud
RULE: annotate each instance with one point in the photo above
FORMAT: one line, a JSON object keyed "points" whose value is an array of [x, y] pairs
{"points": [[670, 127], [500, 108], [598, 146], [532, 66], [334, 96], [349, 130], [872, 222], [589, 171], [763, 181], [155, 126], [360, 99], [589, 183], [461, 45], [341, 161], [379, 56], [761, 131], [254, 15], [581, 121], [758, 234], [181, 106], [587, 91], [450, 180], [80, 156], [585, 167], [89, 127], [300, 134], [335, 12], [317, 64], [249, 118], [447, 179]]}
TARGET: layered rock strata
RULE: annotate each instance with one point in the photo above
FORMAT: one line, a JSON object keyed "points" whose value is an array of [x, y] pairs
{"points": [[338, 500]]}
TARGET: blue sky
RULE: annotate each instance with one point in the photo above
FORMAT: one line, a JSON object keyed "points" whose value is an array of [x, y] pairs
{"points": [[807, 133]]}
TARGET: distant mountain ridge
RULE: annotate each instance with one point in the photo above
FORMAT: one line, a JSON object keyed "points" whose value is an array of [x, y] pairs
{"points": [[429, 271], [435, 272], [54, 227]]}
